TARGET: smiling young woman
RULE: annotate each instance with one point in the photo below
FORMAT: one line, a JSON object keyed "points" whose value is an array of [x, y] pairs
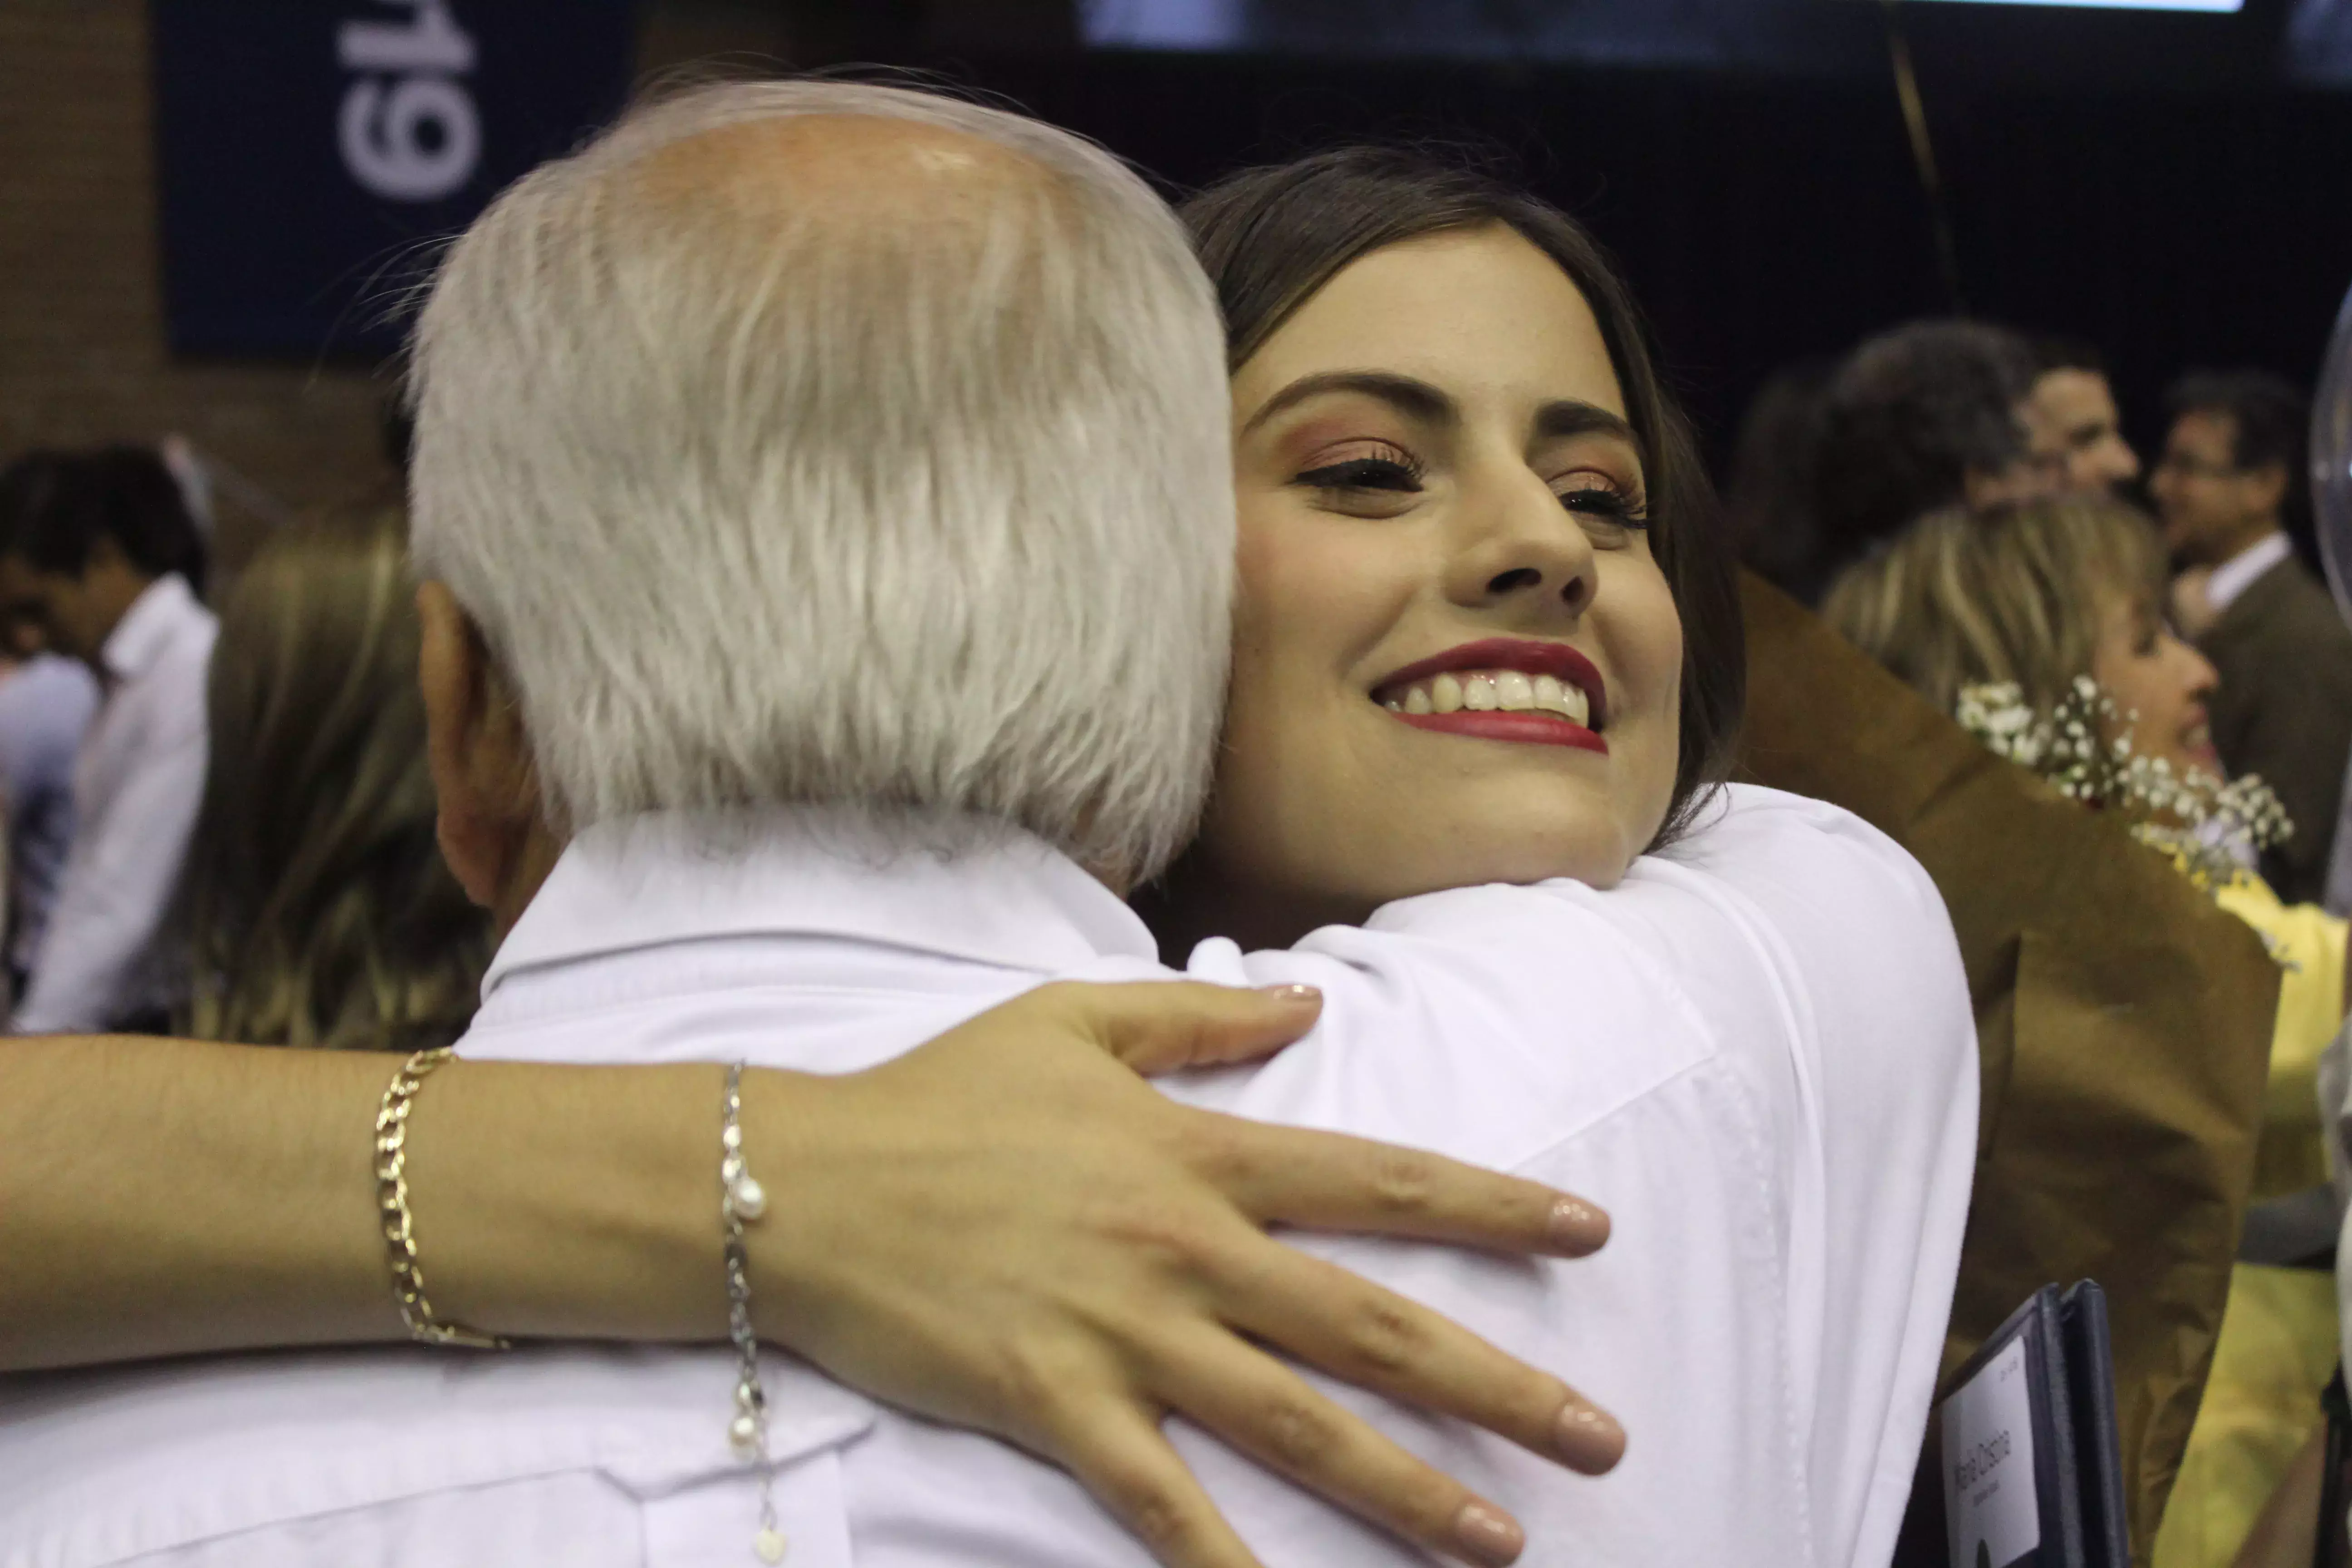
{"points": [[1487, 626]]}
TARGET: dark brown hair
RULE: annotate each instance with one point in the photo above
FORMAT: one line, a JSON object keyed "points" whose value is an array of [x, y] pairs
{"points": [[1271, 237], [1908, 416]]}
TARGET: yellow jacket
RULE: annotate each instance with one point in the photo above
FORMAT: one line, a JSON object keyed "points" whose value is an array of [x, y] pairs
{"points": [[2278, 1343]]}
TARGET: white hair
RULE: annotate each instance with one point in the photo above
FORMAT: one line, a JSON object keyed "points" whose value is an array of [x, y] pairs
{"points": [[758, 506]]}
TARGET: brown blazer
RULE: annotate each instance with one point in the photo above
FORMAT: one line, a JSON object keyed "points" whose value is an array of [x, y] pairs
{"points": [[2284, 710], [2123, 1024]]}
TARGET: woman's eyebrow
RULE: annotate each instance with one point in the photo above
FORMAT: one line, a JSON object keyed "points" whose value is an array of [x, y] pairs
{"points": [[1412, 398], [1558, 421]]}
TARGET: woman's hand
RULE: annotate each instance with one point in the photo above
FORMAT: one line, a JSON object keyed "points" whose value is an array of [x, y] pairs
{"points": [[1009, 1230]]}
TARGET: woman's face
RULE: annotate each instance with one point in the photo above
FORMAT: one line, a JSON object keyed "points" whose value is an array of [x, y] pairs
{"points": [[1455, 659], [2159, 682]]}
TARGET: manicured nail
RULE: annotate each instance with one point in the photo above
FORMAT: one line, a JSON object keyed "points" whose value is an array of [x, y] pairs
{"points": [[1301, 995], [1589, 1438], [1487, 1534], [1577, 1227]]}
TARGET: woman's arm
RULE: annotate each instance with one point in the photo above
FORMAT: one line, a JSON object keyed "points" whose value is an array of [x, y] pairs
{"points": [[1005, 1228]]}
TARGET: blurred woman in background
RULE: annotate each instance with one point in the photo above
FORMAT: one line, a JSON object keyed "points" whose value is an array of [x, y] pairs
{"points": [[2027, 622], [320, 910]]}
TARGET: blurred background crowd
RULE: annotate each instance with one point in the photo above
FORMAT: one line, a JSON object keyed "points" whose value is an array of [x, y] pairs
{"points": [[2000, 321]]}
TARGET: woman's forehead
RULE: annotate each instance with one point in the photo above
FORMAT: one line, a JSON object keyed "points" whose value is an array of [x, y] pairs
{"points": [[1480, 313]]}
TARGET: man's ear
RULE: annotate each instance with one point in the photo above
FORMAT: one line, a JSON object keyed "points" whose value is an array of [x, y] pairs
{"points": [[483, 781]]}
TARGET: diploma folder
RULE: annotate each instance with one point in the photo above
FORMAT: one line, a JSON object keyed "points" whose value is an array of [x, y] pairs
{"points": [[2032, 1472]]}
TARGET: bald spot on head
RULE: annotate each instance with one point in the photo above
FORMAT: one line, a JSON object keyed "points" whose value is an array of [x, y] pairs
{"points": [[859, 172]]}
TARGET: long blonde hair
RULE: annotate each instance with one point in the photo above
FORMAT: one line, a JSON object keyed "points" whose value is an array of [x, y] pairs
{"points": [[319, 910], [2013, 595]]}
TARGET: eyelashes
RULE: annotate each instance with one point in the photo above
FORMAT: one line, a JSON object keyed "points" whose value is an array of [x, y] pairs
{"points": [[1390, 471], [1607, 504], [1387, 467]]}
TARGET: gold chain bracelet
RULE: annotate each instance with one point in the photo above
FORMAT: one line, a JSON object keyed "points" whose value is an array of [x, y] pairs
{"points": [[392, 1201]]}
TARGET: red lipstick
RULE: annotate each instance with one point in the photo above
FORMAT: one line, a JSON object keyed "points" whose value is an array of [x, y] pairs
{"points": [[1558, 661]]}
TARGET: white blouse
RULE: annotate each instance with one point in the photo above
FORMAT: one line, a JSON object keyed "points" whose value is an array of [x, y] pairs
{"points": [[1757, 1053]]}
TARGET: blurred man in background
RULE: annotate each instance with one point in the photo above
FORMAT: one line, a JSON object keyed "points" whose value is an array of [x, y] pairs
{"points": [[103, 554], [2232, 466], [2071, 420]]}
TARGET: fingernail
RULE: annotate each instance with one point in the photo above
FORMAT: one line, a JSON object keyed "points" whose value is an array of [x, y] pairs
{"points": [[1301, 995], [1577, 1227], [1589, 1438], [1487, 1534]]}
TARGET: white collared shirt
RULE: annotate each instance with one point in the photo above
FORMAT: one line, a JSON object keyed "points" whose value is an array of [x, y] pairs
{"points": [[2238, 573], [1757, 1053], [139, 779], [46, 707]]}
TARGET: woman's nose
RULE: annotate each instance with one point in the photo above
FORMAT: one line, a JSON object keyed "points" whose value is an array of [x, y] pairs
{"points": [[1522, 546], [2198, 674]]}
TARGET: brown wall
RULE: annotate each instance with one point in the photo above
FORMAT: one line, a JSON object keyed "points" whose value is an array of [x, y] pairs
{"points": [[81, 321], [82, 356]]}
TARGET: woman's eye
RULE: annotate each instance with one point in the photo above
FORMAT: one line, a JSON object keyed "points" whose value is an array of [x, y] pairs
{"points": [[1385, 468], [1364, 474], [1606, 504]]}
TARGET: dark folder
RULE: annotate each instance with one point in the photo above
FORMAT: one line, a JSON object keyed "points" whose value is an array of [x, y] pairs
{"points": [[2030, 1466]]}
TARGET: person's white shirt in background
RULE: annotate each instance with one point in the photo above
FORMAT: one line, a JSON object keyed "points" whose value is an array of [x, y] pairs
{"points": [[2241, 571], [45, 706], [139, 779], [1757, 1053]]}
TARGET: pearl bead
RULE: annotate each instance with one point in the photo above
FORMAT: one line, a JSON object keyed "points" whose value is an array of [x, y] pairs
{"points": [[751, 1197], [743, 1432], [770, 1545]]}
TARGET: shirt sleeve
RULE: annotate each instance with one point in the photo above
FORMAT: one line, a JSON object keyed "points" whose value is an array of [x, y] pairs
{"points": [[118, 885], [44, 708]]}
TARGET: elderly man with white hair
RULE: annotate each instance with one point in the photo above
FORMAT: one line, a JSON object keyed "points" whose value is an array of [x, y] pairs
{"points": [[821, 491]]}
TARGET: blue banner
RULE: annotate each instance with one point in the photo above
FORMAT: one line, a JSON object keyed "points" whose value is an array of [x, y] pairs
{"points": [[310, 152]]}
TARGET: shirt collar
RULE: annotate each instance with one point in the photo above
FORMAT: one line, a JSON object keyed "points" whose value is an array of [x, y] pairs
{"points": [[146, 628], [949, 885], [2237, 574]]}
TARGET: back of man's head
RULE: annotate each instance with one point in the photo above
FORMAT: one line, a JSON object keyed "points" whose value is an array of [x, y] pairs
{"points": [[56, 507], [808, 441], [1908, 417]]}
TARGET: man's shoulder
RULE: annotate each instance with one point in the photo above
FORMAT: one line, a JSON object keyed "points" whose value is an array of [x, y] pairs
{"points": [[1768, 840], [1817, 874], [1739, 947], [2286, 604]]}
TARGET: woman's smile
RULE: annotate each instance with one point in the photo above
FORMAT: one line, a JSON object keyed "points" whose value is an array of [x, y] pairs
{"points": [[1503, 689]]}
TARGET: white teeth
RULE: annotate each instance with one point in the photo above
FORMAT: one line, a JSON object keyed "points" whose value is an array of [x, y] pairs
{"points": [[1491, 691]]}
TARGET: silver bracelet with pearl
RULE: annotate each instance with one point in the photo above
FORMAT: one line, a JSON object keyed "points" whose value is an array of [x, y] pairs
{"points": [[741, 1198]]}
